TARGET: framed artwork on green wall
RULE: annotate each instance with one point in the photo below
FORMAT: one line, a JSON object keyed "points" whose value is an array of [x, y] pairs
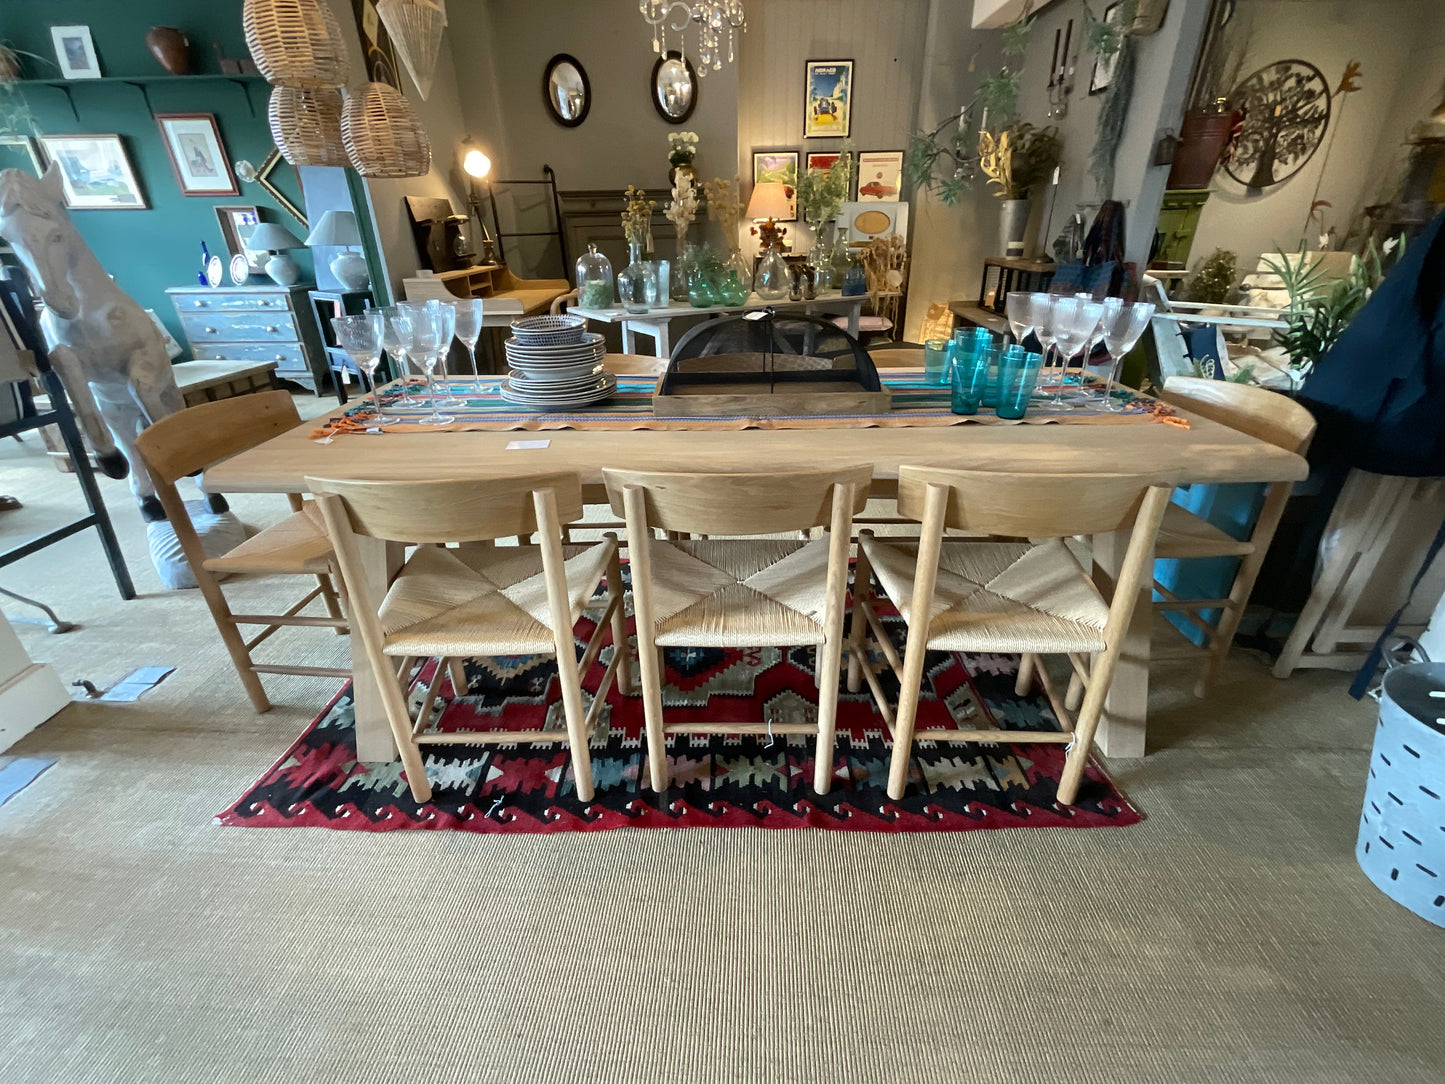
{"points": [[198, 158], [19, 152], [96, 172], [75, 52]]}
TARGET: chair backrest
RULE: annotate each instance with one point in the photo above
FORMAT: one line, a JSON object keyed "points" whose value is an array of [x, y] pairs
{"points": [[450, 510], [738, 504], [1261, 413], [199, 436], [1024, 505]]}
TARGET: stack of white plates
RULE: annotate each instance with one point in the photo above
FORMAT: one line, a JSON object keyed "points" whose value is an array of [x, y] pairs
{"points": [[557, 376]]}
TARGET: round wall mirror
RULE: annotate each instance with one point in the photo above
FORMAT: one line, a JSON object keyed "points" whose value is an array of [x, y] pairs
{"points": [[568, 94], [674, 87]]}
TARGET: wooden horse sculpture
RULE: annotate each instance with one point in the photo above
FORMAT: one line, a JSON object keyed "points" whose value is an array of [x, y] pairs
{"points": [[106, 349]]}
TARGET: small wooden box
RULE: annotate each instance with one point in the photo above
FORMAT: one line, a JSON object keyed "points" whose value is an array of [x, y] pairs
{"points": [[755, 385]]}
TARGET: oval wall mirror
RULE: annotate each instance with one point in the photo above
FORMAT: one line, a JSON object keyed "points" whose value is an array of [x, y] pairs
{"points": [[568, 94], [674, 87]]}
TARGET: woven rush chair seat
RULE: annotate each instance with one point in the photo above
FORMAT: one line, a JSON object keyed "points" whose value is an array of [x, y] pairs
{"points": [[738, 592], [465, 602], [1184, 534], [298, 544], [997, 596]]}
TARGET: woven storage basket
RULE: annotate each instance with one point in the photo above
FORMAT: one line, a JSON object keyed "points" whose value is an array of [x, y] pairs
{"points": [[383, 135], [306, 125], [296, 43]]}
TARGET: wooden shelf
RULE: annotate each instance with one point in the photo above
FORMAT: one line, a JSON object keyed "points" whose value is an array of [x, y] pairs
{"points": [[137, 80]]}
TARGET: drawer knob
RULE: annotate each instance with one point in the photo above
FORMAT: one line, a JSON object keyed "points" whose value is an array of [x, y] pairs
{"points": [[263, 302], [198, 303], [210, 331], [272, 328], [280, 357]]}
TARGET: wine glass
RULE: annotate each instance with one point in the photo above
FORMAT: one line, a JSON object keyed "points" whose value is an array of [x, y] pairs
{"points": [[1076, 319], [1016, 304], [444, 315], [398, 339], [469, 329], [1042, 322], [1122, 329], [427, 342], [360, 336]]}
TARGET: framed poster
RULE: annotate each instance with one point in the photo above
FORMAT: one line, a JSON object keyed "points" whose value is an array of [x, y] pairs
{"points": [[1104, 67], [828, 98], [18, 152], [96, 172], [75, 52], [822, 160], [865, 221], [375, 44], [880, 176], [779, 167], [199, 160]]}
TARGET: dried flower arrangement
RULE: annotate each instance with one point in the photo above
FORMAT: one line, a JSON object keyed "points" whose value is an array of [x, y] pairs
{"points": [[725, 206], [637, 216], [681, 148], [682, 211]]}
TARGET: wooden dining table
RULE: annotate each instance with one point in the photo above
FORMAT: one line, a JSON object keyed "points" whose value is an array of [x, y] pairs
{"points": [[1204, 452]]}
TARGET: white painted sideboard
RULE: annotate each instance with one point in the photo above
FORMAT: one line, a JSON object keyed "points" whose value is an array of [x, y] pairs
{"points": [[30, 692]]}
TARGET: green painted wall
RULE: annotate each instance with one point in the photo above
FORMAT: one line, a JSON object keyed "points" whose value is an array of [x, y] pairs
{"points": [[150, 250]]}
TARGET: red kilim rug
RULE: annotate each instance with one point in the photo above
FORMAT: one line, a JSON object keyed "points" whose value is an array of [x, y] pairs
{"points": [[718, 781]]}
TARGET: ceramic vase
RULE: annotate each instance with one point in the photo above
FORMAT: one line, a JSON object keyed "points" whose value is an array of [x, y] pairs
{"points": [[1013, 223], [172, 48]]}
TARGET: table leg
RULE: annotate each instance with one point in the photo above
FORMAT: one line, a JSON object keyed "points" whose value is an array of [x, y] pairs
{"points": [[374, 742], [664, 343], [629, 343], [1121, 731], [855, 312]]}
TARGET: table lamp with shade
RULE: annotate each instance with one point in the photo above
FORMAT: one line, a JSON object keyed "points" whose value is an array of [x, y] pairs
{"points": [[269, 237], [338, 228], [477, 166], [770, 203]]}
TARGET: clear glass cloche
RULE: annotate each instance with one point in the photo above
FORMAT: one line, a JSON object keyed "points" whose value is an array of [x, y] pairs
{"points": [[594, 280]]}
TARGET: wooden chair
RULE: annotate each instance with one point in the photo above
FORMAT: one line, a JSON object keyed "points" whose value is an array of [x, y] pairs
{"points": [[1028, 597], [193, 439], [477, 599], [737, 592], [1263, 414]]}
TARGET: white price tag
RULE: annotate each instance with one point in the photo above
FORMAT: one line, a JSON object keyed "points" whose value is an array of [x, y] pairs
{"points": [[524, 445]]}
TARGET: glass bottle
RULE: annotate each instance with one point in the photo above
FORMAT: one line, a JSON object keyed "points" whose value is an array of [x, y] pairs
{"points": [[771, 280], [682, 270], [820, 259], [840, 258], [594, 280], [701, 286], [736, 280], [637, 282]]}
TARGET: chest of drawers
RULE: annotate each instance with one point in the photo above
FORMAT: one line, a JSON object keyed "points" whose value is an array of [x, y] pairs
{"points": [[254, 323]]}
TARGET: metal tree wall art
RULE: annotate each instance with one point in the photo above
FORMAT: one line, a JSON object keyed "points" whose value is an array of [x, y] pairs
{"points": [[1286, 111]]}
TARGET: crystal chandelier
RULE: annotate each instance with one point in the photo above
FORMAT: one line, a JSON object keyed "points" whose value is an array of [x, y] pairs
{"points": [[714, 19]]}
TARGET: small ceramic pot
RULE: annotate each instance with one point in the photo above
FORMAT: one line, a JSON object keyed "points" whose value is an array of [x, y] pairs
{"points": [[172, 48]]}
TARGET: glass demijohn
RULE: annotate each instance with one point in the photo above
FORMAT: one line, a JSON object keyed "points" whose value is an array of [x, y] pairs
{"points": [[594, 280]]}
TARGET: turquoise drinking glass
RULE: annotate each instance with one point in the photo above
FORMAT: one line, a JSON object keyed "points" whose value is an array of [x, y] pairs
{"points": [[935, 361], [967, 376], [1018, 372]]}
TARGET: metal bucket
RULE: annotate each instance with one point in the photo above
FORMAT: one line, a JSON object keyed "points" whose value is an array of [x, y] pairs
{"points": [[1401, 845]]}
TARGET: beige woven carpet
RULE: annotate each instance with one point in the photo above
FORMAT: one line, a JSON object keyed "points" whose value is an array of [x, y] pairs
{"points": [[1229, 937]]}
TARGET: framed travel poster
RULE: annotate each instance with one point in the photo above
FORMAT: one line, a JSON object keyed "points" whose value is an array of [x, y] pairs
{"points": [[828, 98], [880, 176], [822, 160], [96, 172], [779, 167], [194, 143]]}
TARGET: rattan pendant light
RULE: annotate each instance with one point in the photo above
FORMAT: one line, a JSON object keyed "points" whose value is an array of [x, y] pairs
{"points": [[416, 28], [296, 43], [306, 126], [383, 135]]}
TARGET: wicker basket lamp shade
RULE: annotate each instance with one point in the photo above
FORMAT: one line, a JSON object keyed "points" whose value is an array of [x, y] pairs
{"points": [[296, 43], [383, 135], [306, 126]]}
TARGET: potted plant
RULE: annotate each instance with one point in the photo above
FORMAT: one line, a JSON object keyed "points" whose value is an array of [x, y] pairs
{"points": [[1017, 158], [1210, 117], [821, 194], [681, 150]]}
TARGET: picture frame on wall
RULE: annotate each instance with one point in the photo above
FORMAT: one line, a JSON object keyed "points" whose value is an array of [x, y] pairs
{"points": [[96, 172], [1104, 67], [376, 44], [827, 99], [236, 221], [822, 160], [779, 167], [75, 52], [20, 152], [198, 158], [880, 176]]}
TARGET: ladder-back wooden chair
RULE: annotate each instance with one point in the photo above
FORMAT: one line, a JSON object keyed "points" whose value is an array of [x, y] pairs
{"points": [[195, 438], [1265, 415], [477, 599], [739, 592], [1030, 597]]}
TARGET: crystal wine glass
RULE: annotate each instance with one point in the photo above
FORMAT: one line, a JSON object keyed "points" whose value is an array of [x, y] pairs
{"points": [[444, 316], [361, 336], [427, 342], [1122, 330], [1042, 320], [469, 329], [1016, 305], [398, 339], [1076, 319]]}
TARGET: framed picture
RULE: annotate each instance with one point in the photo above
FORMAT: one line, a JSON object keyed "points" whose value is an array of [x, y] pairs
{"points": [[1104, 67], [778, 167], [822, 159], [75, 52], [880, 176], [375, 44], [828, 98], [194, 143], [96, 172], [18, 152], [865, 221], [236, 222]]}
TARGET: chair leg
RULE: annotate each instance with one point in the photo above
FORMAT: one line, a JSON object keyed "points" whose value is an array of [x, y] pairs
{"points": [[457, 669], [232, 638], [858, 632], [1075, 693], [904, 723], [831, 660], [619, 619], [1024, 683], [649, 661], [330, 598], [1083, 743]]}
